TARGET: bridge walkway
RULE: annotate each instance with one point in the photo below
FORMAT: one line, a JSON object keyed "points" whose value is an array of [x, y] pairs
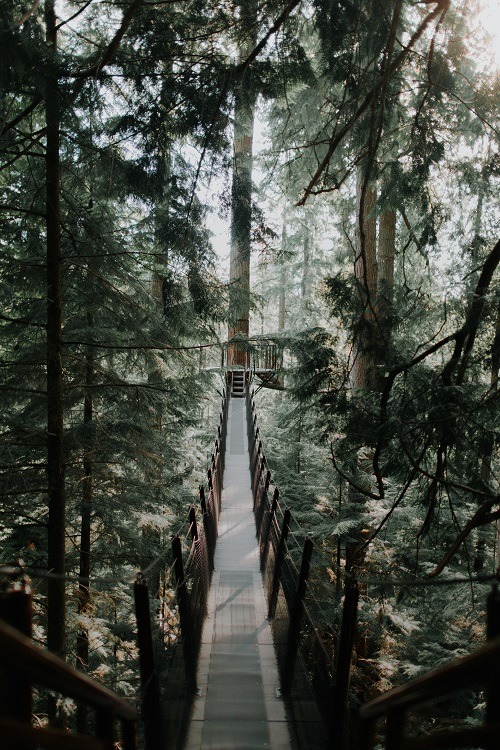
{"points": [[238, 705]]}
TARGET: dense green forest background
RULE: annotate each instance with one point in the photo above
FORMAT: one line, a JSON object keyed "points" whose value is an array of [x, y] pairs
{"points": [[351, 147]]}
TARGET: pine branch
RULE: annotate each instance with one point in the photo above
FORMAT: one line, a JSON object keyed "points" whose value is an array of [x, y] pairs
{"points": [[25, 16], [479, 518], [355, 485], [287, 11], [464, 339], [112, 47], [397, 502], [440, 9], [83, 75], [133, 347], [447, 482], [17, 209]]}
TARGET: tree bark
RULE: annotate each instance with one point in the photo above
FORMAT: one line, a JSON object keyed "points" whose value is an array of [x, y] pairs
{"points": [[241, 195], [385, 291], [366, 272], [305, 284], [56, 616]]}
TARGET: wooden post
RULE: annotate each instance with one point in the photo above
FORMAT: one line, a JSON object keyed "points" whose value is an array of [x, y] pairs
{"points": [[296, 618], [280, 554], [255, 464], [105, 728], [268, 481], [256, 486], [340, 708], [262, 504], [193, 524], [266, 537], [151, 702], [15, 689], [188, 646], [129, 735], [394, 729], [210, 530], [203, 502]]}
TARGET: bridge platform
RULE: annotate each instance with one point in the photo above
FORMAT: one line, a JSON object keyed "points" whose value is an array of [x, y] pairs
{"points": [[238, 706]]}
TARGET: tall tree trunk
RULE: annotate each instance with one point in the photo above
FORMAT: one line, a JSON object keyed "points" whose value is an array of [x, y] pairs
{"points": [[366, 272], [162, 205], [282, 297], [306, 259], [363, 367], [241, 194], [385, 291], [56, 616]]}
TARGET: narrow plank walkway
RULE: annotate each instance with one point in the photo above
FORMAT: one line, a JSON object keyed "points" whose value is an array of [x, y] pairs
{"points": [[238, 707]]}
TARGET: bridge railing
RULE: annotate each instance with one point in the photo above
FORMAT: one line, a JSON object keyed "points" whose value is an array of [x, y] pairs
{"points": [[24, 666], [328, 669], [305, 666], [479, 670], [186, 583], [176, 586]]}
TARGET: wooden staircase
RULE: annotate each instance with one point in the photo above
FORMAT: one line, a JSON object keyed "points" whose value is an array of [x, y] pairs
{"points": [[238, 384]]}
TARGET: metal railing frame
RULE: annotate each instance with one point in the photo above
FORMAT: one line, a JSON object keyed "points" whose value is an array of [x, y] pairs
{"points": [[192, 565], [481, 669], [283, 582]]}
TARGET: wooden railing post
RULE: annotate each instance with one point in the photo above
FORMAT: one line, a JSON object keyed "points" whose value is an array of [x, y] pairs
{"points": [[394, 729], [210, 529], [296, 618], [185, 616], [280, 555], [193, 524], [261, 503], [151, 702], [105, 729], [255, 466], [266, 537], [340, 709], [16, 689], [128, 735]]}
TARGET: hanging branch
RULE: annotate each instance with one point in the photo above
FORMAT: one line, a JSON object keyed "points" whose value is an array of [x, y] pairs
{"points": [[26, 15], [112, 47], [464, 337], [82, 75], [439, 11], [480, 518]]}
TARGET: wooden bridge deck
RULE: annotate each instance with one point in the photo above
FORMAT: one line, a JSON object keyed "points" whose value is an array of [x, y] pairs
{"points": [[238, 707]]}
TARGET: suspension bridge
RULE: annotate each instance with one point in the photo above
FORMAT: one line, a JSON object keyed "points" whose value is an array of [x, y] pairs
{"points": [[247, 668]]}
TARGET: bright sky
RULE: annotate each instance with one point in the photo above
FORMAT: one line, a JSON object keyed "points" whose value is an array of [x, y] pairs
{"points": [[490, 19]]}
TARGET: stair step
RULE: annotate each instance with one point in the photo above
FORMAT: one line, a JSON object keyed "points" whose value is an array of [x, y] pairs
{"points": [[238, 384]]}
